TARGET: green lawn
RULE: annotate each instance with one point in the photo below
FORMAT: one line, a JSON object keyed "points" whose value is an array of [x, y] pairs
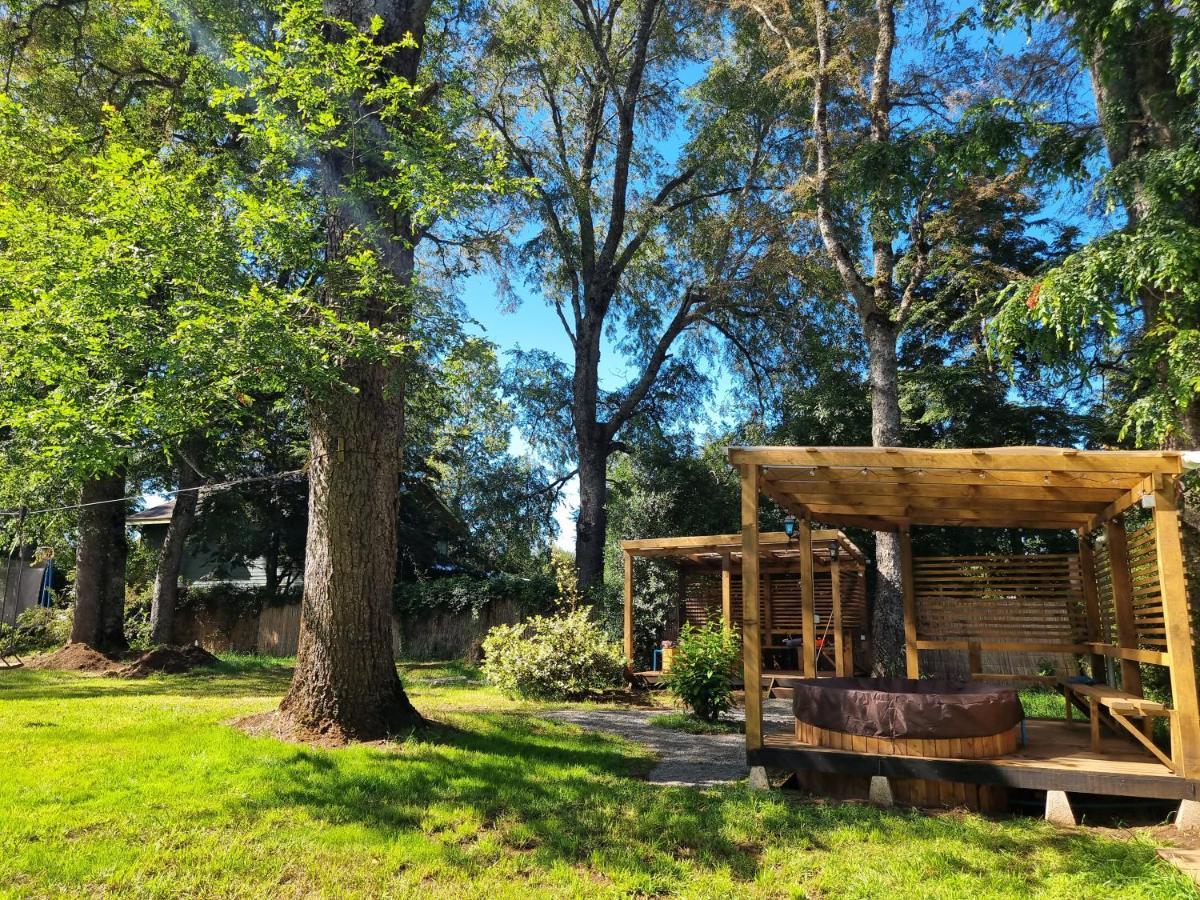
{"points": [[138, 788]]}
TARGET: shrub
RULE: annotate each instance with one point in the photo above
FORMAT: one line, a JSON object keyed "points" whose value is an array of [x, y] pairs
{"points": [[562, 657], [701, 674], [38, 628]]}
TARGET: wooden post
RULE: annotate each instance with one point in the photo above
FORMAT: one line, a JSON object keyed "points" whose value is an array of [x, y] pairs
{"points": [[768, 613], [751, 645], [727, 592], [974, 658], [808, 653], [1122, 591], [1091, 600], [629, 609], [1173, 587], [911, 656], [839, 637]]}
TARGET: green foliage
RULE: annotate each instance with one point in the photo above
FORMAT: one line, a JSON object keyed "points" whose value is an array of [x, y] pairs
{"points": [[701, 674], [235, 600], [137, 619], [692, 724], [37, 628], [469, 593], [667, 486], [561, 657]]}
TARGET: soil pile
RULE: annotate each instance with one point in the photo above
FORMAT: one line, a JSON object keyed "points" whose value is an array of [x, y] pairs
{"points": [[168, 660], [76, 658]]}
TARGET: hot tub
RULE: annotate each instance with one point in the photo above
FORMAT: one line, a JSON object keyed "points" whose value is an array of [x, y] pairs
{"points": [[910, 717]]}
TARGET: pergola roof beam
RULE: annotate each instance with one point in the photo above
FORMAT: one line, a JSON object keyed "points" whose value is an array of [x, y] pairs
{"points": [[1039, 459]]}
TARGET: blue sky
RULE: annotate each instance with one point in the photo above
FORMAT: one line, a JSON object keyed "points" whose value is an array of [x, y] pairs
{"points": [[533, 324]]}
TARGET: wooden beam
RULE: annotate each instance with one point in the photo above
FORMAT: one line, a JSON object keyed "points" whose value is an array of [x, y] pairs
{"points": [[911, 656], [719, 544], [1127, 499], [893, 523], [767, 611], [727, 592], [839, 638], [808, 652], [1136, 654], [1113, 481], [1122, 591], [1095, 498], [1041, 459], [751, 642], [1091, 601], [1173, 588], [1003, 646], [628, 617], [1014, 772], [981, 512]]}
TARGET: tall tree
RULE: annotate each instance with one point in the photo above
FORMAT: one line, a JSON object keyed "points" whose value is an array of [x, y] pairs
{"points": [[361, 156], [1126, 306], [632, 236], [898, 153]]}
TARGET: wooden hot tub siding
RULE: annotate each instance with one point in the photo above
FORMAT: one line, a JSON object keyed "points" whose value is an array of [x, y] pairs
{"points": [[916, 792]]}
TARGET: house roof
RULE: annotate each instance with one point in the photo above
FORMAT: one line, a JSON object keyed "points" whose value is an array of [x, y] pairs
{"points": [[153, 515], [884, 488]]}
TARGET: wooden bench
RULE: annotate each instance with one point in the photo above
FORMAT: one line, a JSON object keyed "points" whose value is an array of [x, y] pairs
{"points": [[1120, 706]]}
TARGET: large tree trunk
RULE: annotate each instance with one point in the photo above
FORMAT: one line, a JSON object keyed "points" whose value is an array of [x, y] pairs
{"points": [[345, 685], [170, 557], [887, 621], [591, 527], [591, 443], [100, 566]]}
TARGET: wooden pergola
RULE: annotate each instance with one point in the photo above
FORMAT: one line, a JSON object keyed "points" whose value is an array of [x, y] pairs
{"points": [[1121, 598], [777, 554]]}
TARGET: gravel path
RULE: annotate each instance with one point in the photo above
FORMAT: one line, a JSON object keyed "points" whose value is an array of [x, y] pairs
{"points": [[694, 760]]}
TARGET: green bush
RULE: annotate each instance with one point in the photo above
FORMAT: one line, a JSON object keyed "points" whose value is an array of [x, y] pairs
{"points": [[701, 674], [38, 628], [562, 657], [468, 593]]}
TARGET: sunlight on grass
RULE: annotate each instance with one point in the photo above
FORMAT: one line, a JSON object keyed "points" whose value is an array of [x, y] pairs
{"points": [[1043, 703], [139, 788]]}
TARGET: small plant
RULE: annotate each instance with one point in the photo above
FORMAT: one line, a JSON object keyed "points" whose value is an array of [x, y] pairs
{"points": [[561, 657], [701, 674]]}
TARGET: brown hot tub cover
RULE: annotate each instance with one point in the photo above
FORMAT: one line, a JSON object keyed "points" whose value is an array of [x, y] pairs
{"points": [[905, 707]]}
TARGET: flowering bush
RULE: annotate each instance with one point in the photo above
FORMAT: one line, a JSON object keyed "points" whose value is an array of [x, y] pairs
{"points": [[701, 674], [562, 657]]}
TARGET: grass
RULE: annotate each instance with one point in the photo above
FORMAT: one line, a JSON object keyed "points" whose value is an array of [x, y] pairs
{"points": [[1043, 703], [140, 789], [691, 724]]}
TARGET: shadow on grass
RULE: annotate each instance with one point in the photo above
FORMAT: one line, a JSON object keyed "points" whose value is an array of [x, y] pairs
{"points": [[558, 795], [561, 796]]}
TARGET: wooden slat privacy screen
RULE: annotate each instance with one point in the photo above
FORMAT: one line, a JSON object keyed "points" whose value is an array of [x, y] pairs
{"points": [[1147, 598], [1104, 595], [1000, 598], [702, 600]]}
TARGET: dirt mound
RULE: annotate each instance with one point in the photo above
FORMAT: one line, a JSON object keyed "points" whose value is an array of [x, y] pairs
{"points": [[168, 660], [76, 658]]}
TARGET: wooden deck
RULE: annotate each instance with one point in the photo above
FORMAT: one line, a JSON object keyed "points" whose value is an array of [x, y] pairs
{"points": [[1056, 757]]}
